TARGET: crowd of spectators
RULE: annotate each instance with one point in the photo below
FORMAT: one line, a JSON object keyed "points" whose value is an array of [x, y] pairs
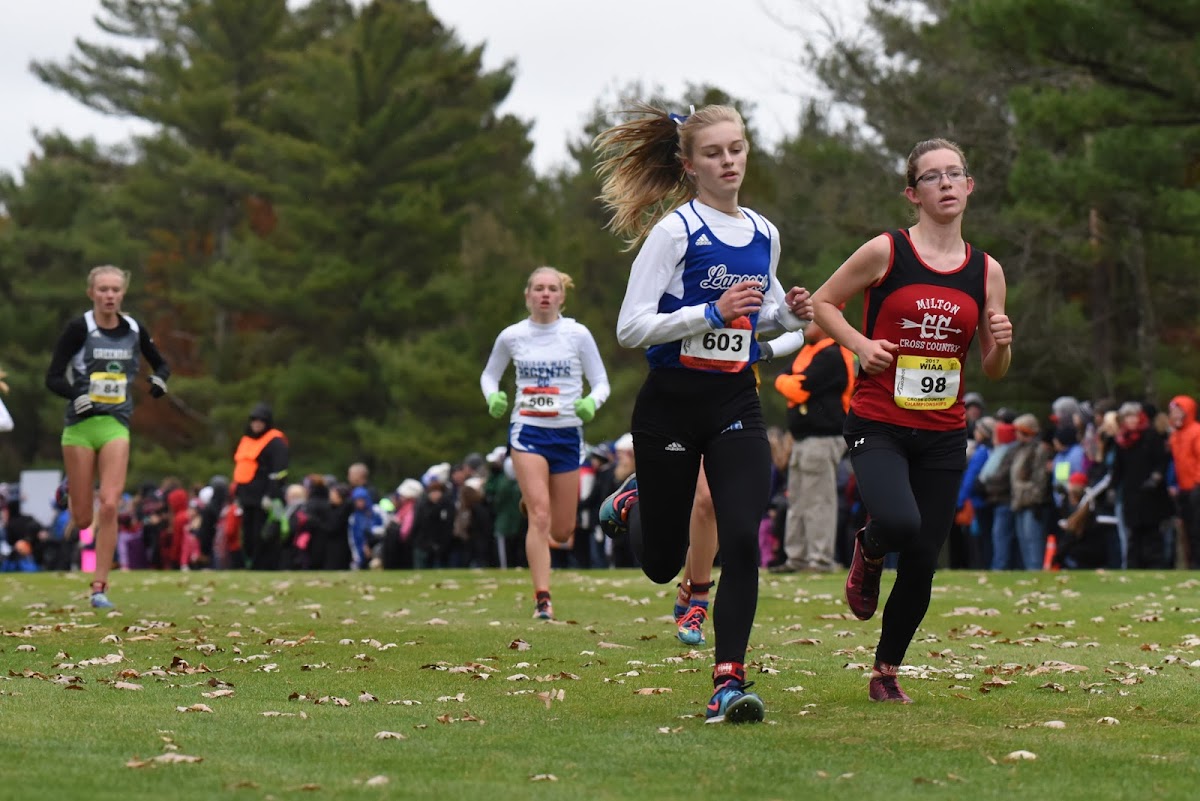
{"points": [[1091, 485]]}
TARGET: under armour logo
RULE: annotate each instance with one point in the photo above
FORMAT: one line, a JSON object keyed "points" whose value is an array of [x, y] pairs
{"points": [[858, 442]]}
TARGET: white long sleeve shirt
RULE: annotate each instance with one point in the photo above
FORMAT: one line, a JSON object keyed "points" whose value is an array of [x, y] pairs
{"points": [[551, 360]]}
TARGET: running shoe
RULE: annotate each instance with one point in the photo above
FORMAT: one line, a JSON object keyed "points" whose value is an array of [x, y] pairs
{"points": [[884, 687], [614, 512], [691, 623], [544, 611], [862, 582], [732, 704], [100, 601]]}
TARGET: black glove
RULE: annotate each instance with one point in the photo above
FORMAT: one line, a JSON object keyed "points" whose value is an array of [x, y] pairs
{"points": [[764, 348], [158, 386], [83, 406]]}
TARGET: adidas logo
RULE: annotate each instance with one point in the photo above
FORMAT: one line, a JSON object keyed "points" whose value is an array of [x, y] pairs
{"points": [[675, 447], [703, 240]]}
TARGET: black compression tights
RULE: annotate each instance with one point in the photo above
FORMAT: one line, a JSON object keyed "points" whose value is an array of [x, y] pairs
{"points": [[738, 466], [911, 512]]}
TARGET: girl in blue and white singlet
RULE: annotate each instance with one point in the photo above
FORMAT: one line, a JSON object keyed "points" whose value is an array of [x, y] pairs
{"points": [[552, 356], [702, 285]]}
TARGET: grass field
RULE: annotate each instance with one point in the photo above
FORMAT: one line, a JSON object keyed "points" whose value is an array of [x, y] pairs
{"points": [[291, 682]]}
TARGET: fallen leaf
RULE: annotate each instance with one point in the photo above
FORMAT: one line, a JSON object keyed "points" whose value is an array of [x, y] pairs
{"points": [[1108, 721], [389, 735], [194, 708], [163, 759], [218, 694], [125, 685], [1019, 756], [377, 781], [543, 777], [652, 691]]}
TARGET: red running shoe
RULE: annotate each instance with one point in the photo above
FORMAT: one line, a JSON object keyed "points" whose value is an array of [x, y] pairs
{"points": [[884, 686], [862, 583]]}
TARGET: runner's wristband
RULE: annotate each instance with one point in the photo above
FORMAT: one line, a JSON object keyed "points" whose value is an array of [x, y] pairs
{"points": [[715, 320]]}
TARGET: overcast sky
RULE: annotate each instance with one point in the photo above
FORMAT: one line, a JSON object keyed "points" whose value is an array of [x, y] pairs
{"points": [[750, 48]]}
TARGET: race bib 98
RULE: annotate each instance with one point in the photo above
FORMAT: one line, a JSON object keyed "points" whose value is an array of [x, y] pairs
{"points": [[925, 382]]}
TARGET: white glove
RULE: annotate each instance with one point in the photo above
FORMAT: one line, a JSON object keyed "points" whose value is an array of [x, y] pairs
{"points": [[83, 406]]}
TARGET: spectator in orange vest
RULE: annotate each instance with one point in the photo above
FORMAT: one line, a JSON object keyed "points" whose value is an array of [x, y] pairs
{"points": [[817, 389], [260, 467]]}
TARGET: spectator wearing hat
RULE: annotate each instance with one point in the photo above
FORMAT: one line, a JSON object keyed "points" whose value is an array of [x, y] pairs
{"points": [[1185, 451], [433, 526], [973, 512], [322, 524], [996, 477], [1139, 474], [1030, 479], [397, 536], [1069, 459], [260, 466], [974, 408]]}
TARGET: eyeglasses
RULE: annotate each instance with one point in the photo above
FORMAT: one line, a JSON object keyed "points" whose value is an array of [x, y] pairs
{"points": [[930, 178]]}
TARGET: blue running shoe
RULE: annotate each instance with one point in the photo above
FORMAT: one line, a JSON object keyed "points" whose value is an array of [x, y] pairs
{"points": [[691, 631], [732, 704], [100, 601], [614, 512]]}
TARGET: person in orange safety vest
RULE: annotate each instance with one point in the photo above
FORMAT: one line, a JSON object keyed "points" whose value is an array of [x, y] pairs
{"points": [[260, 466]]}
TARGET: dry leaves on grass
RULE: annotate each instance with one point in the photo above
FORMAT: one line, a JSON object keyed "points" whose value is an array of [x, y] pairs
{"points": [[543, 777], [652, 691], [163, 759], [125, 685], [389, 735], [194, 708]]}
